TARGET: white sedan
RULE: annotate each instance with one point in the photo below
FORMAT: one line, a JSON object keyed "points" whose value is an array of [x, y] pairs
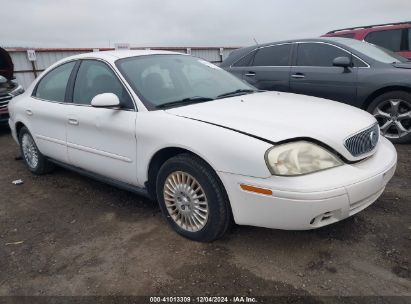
{"points": [[209, 147]]}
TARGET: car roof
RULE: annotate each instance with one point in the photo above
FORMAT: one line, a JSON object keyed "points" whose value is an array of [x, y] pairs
{"points": [[237, 54], [112, 56], [316, 39], [119, 54], [371, 28]]}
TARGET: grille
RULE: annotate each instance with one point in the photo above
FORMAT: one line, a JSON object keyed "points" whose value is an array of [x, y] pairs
{"points": [[363, 142], [4, 100]]}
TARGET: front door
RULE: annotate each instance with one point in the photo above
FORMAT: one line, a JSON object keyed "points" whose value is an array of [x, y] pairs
{"points": [[101, 140], [315, 75]]}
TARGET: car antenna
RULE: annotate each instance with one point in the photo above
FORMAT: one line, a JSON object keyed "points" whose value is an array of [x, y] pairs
{"points": [[255, 40]]}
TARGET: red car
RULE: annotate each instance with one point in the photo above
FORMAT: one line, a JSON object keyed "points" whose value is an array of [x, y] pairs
{"points": [[8, 85], [393, 36]]}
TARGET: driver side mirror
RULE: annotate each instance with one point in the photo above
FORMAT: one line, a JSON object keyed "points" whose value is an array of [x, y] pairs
{"points": [[105, 100], [343, 62]]}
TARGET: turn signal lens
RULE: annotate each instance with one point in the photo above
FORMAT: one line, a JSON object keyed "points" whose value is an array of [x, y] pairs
{"points": [[256, 189]]}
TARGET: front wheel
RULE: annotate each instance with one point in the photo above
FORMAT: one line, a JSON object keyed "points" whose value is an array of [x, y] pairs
{"points": [[393, 113], [192, 198]]}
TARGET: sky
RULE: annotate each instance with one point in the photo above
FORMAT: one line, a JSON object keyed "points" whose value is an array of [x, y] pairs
{"points": [[150, 23]]}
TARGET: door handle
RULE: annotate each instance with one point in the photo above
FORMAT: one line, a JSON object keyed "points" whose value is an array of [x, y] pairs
{"points": [[298, 76], [29, 112], [250, 74], [73, 121]]}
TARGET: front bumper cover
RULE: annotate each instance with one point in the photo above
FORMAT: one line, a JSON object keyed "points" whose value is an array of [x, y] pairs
{"points": [[313, 200]]}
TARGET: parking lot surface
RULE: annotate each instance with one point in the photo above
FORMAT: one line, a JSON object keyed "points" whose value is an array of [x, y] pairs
{"points": [[64, 234]]}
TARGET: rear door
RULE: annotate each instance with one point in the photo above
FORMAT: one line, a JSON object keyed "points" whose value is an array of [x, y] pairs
{"points": [[315, 75], [46, 112], [240, 67], [270, 68], [101, 140]]}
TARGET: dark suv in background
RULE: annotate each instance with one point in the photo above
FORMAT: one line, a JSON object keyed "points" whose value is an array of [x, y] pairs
{"points": [[341, 69], [392, 36], [8, 86]]}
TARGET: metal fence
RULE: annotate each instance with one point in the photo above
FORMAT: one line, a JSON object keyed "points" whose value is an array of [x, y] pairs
{"points": [[26, 71]]}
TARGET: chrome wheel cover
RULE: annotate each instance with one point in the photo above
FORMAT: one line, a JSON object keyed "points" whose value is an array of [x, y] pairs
{"points": [[186, 201], [30, 152], [394, 117]]}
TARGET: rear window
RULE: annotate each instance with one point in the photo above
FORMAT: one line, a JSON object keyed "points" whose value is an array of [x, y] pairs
{"points": [[277, 55], [389, 39]]}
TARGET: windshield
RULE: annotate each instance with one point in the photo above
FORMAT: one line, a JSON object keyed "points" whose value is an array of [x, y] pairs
{"points": [[160, 80], [375, 52]]}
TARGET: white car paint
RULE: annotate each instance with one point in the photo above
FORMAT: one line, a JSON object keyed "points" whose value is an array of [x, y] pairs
{"points": [[342, 191], [292, 114], [232, 135]]}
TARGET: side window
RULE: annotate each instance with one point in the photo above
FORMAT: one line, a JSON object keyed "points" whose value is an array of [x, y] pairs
{"points": [[245, 61], [53, 85], [409, 39], [277, 55], [390, 39], [318, 54], [95, 77], [358, 63]]}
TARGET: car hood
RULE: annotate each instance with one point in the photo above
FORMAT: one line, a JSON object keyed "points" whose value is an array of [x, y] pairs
{"points": [[6, 64], [277, 117]]}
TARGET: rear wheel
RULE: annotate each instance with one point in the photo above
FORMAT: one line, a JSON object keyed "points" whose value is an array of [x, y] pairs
{"points": [[34, 160], [192, 198], [393, 113]]}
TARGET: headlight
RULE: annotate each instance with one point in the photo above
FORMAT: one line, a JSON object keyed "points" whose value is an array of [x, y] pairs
{"points": [[17, 91], [301, 157]]}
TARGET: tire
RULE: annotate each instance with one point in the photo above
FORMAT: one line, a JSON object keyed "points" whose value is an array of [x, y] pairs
{"points": [[393, 112], [196, 188], [34, 160]]}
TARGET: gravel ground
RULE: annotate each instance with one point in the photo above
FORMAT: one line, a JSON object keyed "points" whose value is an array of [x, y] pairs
{"points": [[64, 234]]}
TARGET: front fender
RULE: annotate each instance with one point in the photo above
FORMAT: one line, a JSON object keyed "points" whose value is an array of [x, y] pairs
{"points": [[224, 150]]}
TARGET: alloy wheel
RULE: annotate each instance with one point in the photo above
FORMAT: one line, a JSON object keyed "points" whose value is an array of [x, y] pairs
{"points": [[394, 117], [186, 201], [30, 152]]}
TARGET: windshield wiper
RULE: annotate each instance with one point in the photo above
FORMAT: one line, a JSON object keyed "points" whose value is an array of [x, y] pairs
{"points": [[237, 92], [184, 101]]}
